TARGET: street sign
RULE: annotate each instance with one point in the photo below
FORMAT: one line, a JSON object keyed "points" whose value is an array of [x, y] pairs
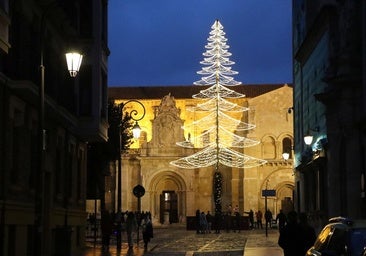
{"points": [[139, 191], [268, 192]]}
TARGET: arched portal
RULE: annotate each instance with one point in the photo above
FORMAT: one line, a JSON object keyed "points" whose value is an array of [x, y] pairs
{"points": [[168, 197], [280, 181]]}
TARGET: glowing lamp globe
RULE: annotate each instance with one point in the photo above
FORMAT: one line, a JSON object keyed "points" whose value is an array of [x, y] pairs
{"points": [[73, 60], [136, 131], [308, 139]]}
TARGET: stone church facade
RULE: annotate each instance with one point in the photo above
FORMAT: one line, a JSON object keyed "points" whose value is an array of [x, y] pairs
{"points": [[172, 193]]}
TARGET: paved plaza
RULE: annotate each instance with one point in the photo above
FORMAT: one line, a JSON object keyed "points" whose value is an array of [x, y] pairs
{"points": [[176, 240]]}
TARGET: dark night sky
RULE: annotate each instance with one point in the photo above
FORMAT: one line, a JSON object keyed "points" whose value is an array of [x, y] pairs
{"points": [[160, 42]]}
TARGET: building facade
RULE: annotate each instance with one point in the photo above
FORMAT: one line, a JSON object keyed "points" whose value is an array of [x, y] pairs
{"points": [[43, 172], [329, 103], [172, 193]]}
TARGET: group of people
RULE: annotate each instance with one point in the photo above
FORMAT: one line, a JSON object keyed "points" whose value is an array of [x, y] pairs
{"points": [[230, 219], [203, 222], [128, 221], [296, 235]]}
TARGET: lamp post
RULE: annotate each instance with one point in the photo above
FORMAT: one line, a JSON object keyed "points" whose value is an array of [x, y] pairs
{"points": [[42, 207], [136, 130], [308, 138], [265, 206]]}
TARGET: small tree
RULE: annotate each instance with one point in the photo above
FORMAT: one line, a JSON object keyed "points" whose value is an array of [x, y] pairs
{"points": [[120, 126], [101, 153]]}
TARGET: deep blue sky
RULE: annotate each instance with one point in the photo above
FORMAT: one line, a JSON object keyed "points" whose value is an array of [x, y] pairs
{"points": [[160, 42]]}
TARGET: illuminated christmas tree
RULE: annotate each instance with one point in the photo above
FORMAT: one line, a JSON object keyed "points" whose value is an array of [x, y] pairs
{"points": [[221, 134]]}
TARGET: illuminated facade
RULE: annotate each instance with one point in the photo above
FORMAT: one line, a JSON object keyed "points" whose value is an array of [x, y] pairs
{"points": [[173, 193]]}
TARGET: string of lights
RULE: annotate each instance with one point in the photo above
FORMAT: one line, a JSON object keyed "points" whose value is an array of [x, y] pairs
{"points": [[218, 138]]}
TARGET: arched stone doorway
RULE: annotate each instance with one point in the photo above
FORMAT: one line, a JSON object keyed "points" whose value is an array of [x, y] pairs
{"points": [[281, 181], [168, 197], [285, 200]]}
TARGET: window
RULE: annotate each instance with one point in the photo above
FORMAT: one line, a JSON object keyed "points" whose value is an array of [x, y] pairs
{"points": [[287, 146]]}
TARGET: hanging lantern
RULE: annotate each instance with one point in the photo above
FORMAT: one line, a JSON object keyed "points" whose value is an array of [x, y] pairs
{"points": [[73, 60], [136, 131]]}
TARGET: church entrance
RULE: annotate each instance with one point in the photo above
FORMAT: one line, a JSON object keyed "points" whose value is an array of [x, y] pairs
{"points": [[168, 207]]}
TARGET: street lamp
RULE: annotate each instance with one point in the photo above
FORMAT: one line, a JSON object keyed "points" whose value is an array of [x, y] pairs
{"points": [[42, 209], [286, 155], [136, 131], [308, 138], [73, 60]]}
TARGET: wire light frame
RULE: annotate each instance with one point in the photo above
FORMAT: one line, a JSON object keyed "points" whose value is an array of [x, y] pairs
{"points": [[218, 143]]}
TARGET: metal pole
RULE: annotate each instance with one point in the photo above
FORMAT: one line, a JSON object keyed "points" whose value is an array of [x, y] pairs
{"points": [[139, 219], [119, 176], [119, 191], [265, 213], [95, 217], [265, 206], [40, 223]]}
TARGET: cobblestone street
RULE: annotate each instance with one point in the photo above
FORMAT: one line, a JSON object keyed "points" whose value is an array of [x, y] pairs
{"points": [[179, 241]]}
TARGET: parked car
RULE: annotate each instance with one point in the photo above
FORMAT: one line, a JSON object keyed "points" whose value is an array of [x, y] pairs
{"points": [[341, 237]]}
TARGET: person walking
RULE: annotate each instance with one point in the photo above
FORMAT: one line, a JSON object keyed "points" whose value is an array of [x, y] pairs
{"points": [[237, 221], [198, 221], [147, 230], [259, 216], [268, 218], [218, 222], [203, 223], [290, 239], [118, 225], [209, 221], [227, 221], [281, 219], [251, 218], [131, 226], [308, 235], [107, 229]]}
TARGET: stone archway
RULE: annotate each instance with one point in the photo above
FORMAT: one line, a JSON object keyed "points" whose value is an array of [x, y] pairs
{"points": [[168, 197], [280, 180], [285, 200]]}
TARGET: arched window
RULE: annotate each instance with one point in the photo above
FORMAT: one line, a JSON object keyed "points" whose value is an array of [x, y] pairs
{"points": [[287, 146]]}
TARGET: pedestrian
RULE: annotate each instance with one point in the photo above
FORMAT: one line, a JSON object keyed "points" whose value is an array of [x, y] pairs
{"points": [[118, 225], [259, 216], [251, 218], [237, 221], [147, 230], [290, 239], [131, 226], [203, 223], [307, 232], [268, 217], [236, 209], [107, 229], [229, 209], [209, 221], [227, 221], [281, 218], [198, 221], [218, 221]]}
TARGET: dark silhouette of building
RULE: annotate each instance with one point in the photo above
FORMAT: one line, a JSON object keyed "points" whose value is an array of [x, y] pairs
{"points": [[330, 104], [75, 115]]}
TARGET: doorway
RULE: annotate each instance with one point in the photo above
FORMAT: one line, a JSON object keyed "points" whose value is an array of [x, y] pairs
{"points": [[168, 207]]}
